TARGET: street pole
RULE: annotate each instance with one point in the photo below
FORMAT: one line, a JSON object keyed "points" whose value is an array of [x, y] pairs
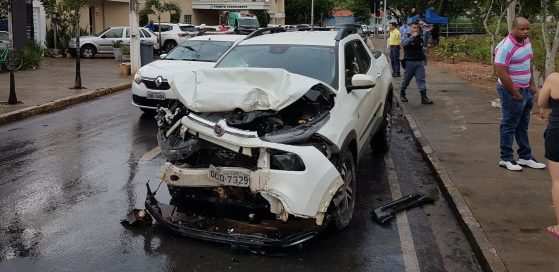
{"points": [[12, 99], [312, 14], [375, 17], [384, 28], [135, 61]]}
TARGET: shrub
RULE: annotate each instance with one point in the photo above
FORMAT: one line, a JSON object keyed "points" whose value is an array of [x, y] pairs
{"points": [[32, 54]]}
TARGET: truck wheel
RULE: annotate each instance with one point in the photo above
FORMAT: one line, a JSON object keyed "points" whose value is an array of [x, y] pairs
{"points": [[343, 203], [380, 142]]}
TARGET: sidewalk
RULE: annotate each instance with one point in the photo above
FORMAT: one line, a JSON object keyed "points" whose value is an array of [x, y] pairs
{"points": [[513, 209], [54, 78]]}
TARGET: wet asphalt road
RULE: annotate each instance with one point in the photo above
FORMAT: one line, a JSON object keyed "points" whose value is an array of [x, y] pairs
{"points": [[68, 178]]}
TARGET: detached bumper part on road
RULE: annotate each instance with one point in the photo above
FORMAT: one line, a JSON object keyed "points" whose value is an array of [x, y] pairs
{"points": [[197, 228]]}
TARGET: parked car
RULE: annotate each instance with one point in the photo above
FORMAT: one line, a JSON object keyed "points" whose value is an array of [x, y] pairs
{"points": [[151, 88], [172, 34], [102, 43], [263, 149], [4, 39]]}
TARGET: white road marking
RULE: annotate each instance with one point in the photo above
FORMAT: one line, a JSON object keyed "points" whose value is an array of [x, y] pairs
{"points": [[411, 264], [150, 155]]}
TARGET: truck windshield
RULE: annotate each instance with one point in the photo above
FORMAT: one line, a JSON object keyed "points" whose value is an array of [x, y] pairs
{"points": [[209, 51], [248, 22], [318, 62]]}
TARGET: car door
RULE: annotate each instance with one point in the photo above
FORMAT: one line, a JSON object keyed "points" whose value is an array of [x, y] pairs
{"points": [[106, 39], [375, 98], [358, 97]]}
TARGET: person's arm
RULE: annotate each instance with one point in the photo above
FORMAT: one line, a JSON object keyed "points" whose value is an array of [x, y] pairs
{"points": [[409, 39], [545, 93]]}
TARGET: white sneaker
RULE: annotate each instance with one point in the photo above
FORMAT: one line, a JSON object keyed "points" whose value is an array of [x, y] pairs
{"points": [[531, 163], [510, 165]]}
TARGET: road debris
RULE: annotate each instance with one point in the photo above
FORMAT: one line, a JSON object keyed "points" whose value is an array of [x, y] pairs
{"points": [[137, 218], [388, 211]]}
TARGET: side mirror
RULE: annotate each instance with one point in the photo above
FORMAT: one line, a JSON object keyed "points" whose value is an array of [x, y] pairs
{"points": [[162, 56], [361, 81]]}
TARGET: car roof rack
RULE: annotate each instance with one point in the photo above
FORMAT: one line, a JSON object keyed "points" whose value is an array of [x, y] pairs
{"points": [[263, 31], [343, 30]]}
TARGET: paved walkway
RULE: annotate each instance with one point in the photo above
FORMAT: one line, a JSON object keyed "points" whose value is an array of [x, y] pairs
{"points": [[54, 79], [513, 208]]}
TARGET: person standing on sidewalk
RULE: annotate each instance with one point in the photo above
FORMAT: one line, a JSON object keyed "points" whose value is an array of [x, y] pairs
{"points": [[394, 44], [516, 88], [549, 98], [414, 64]]}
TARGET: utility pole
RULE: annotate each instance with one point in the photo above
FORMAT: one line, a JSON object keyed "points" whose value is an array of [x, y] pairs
{"points": [[384, 26], [312, 14], [135, 61], [375, 17], [12, 99]]}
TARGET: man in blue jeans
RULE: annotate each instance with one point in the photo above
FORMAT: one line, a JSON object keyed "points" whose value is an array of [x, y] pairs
{"points": [[516, 88]]}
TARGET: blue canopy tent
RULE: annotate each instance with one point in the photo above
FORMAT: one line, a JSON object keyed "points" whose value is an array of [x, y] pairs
{"points": [[431, 17]]}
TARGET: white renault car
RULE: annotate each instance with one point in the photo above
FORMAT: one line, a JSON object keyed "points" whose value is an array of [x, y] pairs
{"points": [[151, 88], [262, 150]]}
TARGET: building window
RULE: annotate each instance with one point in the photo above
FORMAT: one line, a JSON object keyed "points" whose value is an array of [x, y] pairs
{"points": [[188, 19]]}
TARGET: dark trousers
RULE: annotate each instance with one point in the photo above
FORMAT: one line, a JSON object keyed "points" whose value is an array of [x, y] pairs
{"points": [[514, 123], [414, 69], [395, 59]]}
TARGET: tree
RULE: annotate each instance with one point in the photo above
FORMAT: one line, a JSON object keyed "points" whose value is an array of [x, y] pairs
{"points": [[74, 6], [550, 28], [299, 11], [495, 9], [157, 8]]}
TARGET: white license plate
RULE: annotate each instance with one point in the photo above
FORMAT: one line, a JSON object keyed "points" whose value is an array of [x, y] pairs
{"points": [[156, 96], [238, 178]]}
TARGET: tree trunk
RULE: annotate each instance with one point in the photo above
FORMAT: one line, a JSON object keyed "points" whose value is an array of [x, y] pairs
{"points": [[78, 79], [511, 13], [159, 30]]}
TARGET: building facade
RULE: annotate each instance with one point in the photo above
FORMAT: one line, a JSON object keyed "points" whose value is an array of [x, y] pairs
{"points": [[101, 14]]}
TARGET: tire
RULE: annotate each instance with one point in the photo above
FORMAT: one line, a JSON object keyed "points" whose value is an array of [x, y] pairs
{"points": [[88, 51], [169, 45], [380, 142], [342, 206]]}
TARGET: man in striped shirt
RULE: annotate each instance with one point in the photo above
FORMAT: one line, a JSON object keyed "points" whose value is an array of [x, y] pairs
{"points": [[516, 88]]}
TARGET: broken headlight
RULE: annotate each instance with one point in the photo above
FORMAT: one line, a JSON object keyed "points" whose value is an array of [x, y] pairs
{"points": [[286, 161], [297, 134]]}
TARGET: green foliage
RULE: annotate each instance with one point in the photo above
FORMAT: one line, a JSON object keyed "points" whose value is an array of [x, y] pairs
{"points": [[32, 54], [360, 8], [117, 44], [263, 17], [125, 50], [472, 48], [157, 7], [299, 11]]}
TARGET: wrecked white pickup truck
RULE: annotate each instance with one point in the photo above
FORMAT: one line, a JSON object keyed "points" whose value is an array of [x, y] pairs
{"points": [[264, 157]]}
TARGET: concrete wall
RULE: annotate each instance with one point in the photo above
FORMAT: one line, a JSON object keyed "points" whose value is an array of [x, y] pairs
{"points": [[116, 14]]}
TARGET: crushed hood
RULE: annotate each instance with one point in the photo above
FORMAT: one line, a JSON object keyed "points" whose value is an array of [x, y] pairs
{"points": [[171, 68], [248, 89]]}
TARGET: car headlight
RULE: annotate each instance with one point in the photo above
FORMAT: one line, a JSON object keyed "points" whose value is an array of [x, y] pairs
{"points": [[137, 78]]}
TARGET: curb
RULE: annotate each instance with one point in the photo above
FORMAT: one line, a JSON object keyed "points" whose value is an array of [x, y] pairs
{"points": [[485, 252], [59, 104]]}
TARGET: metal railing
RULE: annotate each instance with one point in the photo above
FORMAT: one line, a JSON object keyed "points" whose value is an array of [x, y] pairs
{"points": [[461, 29]]}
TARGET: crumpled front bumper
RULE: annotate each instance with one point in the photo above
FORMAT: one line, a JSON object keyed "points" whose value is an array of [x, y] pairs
{"points": [[304, 194], [163, 214]]}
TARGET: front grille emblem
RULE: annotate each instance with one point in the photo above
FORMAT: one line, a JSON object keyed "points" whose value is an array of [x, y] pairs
{"points": [[158, 81]]}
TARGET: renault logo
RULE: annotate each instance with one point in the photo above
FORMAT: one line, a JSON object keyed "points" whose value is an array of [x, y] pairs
{"points": [[158, 81]]}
